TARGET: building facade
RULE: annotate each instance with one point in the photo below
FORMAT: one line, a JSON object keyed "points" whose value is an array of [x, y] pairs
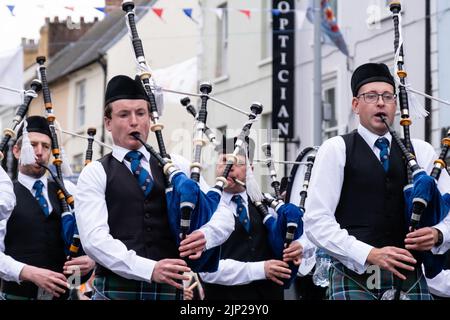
{"points": [[78, 74], [239, 62]]}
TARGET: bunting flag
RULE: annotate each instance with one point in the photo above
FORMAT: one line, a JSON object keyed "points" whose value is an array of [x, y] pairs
{"points": [[219, 13], [101, 9], [329, 25], [11, 9], [246, 12], [276, 12], [158, 12], [188, 13], [300, 17]]}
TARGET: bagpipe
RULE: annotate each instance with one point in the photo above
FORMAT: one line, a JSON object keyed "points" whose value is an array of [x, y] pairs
{"points": [[70, 231], [425, 206], [186, 102], [196, 167], [89, 151], [312, 287], [211, 199], [188, 207], [275, 184], [296, 192], [287, 225], [186, 193], [405, 121], [8, 133], [145, 75], [199, 142]]}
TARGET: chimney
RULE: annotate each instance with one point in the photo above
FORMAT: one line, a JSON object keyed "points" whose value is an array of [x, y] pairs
{"points": [[30, 52], [112, 5]]}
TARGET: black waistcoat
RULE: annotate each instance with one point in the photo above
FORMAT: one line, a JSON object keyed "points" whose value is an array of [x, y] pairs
{"points": [[33, 238], [246, 247], [140, 222], [371, 206]]}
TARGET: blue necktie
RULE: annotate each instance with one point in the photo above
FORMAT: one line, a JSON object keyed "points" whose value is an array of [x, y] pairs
{"points": [[142, 175], [383, 144], [242, 212], [39, 186]]}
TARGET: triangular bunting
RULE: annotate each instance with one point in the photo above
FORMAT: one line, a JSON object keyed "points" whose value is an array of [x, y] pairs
{"points": [[219, 13], [101, 9], [276, 12], [188, 12], [11, 9], [246, 12], [300, 17], [158, 12]]}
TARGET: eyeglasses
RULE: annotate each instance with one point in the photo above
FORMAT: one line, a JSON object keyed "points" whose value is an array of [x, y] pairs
{"points": [[372, 97]]}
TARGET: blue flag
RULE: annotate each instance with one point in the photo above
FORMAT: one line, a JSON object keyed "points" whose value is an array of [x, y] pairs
{"points": [[188, 12], [11, 9], [101, 9], [329, 25]]}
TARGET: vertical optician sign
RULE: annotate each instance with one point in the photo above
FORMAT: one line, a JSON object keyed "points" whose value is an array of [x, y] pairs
{"points": [[283, 79]]}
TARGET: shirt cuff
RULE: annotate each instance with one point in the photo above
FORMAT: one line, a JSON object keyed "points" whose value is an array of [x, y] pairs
{"points": [[144, 268], [209, 240], [360, 252], [443, 248], [15, 268], [256, 270], [309, 249]]}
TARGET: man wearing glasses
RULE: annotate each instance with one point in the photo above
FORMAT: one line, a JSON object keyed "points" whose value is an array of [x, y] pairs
{"points": [[355, 206]]}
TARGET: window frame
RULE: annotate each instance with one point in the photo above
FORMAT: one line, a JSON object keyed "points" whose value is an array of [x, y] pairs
{"points": [[80, 104]]}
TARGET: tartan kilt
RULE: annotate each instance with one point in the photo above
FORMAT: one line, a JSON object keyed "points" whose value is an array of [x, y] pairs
{"points": [[114, 287], [346, 284], [5, 296]]}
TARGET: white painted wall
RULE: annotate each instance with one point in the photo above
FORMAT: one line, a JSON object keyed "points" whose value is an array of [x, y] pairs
{"points": [[248, 78]]}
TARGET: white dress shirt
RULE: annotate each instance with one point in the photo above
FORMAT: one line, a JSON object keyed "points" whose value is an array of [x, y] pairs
{"points": [[440, 285], [324, 194], [232, 272], [309, 249], [7, 197], [9, 267], [92, 219]]}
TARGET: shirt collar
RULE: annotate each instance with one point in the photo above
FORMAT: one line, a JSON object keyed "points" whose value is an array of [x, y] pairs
{"points": [[28, 182], [226, 196], [371, 137], [119, 153]]}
